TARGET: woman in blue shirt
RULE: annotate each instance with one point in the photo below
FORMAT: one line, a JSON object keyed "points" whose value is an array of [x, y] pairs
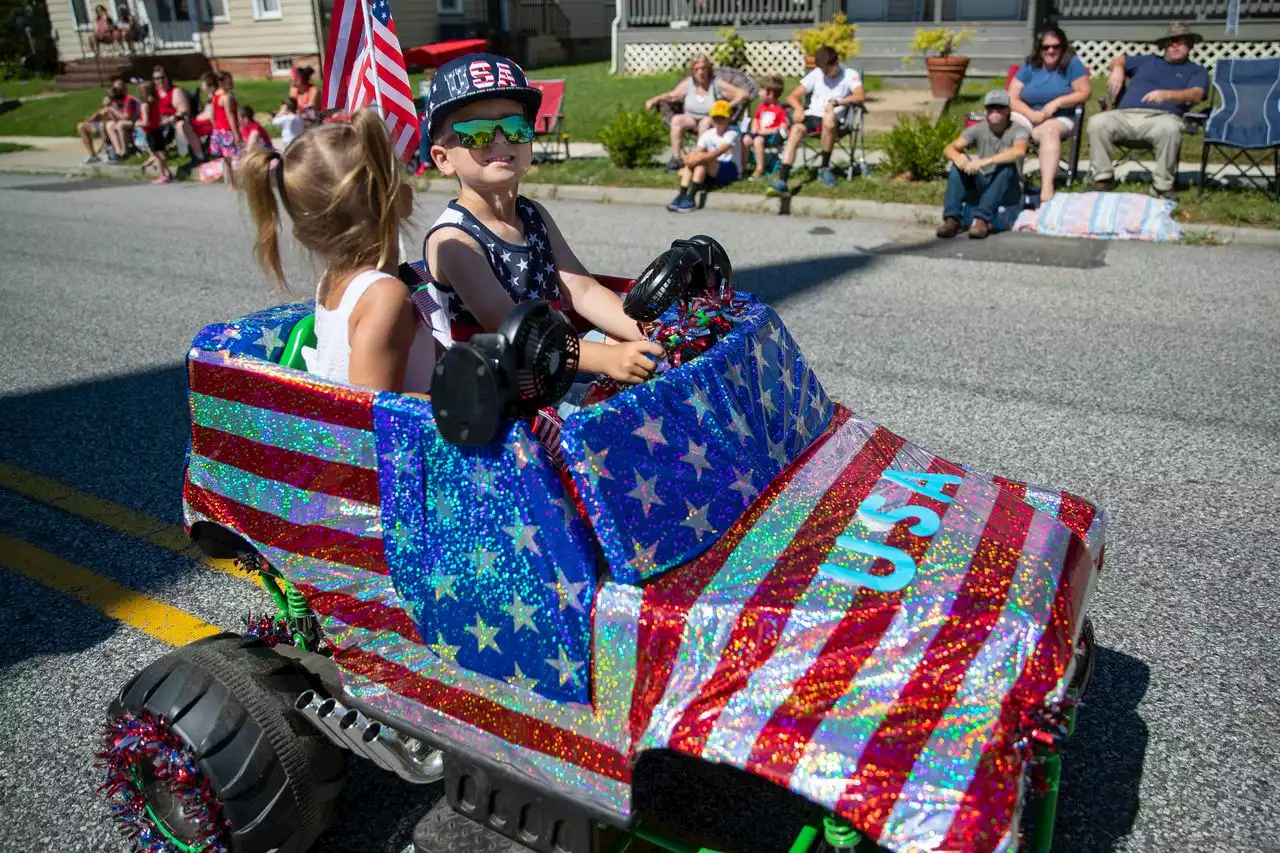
{"points": [[1044, 94]]}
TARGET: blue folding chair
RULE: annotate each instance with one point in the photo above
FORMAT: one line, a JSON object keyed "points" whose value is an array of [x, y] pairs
{"points": [[1246, 124]]}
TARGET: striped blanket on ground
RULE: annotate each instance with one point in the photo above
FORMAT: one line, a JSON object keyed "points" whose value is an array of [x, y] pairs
{"points": [[1103, 216]]}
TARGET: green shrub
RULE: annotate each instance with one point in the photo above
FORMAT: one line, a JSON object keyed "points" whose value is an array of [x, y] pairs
{"points": [[632, 137], [731, 50], [914, 146]]}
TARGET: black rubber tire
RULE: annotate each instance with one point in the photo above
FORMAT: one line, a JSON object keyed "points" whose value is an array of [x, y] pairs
{"points": [[230, 700]]}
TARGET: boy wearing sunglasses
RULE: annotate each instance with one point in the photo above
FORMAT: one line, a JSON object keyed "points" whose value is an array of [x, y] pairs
{"points": [[493, 248]]}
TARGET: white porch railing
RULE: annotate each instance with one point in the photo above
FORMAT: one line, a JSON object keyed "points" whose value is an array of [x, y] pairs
{"points": [[1189, 10], [704, 13]]}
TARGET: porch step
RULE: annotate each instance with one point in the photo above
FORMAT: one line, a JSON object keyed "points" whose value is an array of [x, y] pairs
{"points": [[91, 74]]}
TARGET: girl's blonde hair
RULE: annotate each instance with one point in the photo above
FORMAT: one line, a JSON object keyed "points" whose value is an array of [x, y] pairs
{"points": [[339, 183], [148, 92]]}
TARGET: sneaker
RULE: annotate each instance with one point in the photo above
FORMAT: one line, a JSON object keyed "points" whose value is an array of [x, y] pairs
{"points": [[778, 189], [827, 177], [163, 179], [681, 204], [1104, 186], [92, 158], [979, 229], [949, 228], [1167, 195]]}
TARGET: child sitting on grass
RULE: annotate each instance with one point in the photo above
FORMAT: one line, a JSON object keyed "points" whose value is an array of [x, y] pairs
{"points": [[493, 248], [717, 159], [153, 127]]}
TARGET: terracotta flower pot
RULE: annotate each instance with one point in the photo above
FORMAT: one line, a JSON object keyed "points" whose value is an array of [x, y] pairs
{"points": [[946, 73]]}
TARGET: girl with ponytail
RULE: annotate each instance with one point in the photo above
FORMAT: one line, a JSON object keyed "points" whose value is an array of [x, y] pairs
{"points": [[341, 187]]}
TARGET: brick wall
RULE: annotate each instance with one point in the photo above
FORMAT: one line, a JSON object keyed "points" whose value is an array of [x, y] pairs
{"points": [[259, 67]]}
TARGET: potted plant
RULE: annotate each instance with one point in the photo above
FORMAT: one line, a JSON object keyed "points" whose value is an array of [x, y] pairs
{"points": [[837, 33], [946, 71]]}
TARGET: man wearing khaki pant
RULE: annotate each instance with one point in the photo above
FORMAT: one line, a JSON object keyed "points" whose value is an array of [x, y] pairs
{"points": [[1160, 89]]}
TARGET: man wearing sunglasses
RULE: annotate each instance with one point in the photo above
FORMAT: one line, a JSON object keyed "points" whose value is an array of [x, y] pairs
{"points": [[990, 180], [493, 248], [1157, 92], [175, 112]]}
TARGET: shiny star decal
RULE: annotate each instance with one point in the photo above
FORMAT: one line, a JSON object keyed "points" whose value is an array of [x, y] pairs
{"points": [[521, 614], [443, 585], [643, 563], [270, 340], [483, 560], [568, 594], [762, 360], [646, 491], [697, 520], [568, 510], [592, 464], [395, 456], [734, 376], [484, 634], [743, 485], [697, 457], [778, 452], [444, 651], [521, 681], [522, 536], [738, 423], [227, 335], [484, 478], [699, 404], [442, 507], [651, 432], [567, 669], [522, 451]]}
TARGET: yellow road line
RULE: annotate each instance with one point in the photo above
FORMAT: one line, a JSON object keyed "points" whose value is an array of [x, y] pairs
{"points": [[133, 608], [130, 522]]}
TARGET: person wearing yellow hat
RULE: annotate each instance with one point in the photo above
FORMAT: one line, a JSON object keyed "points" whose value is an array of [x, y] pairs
{"points": [[717, 159]]}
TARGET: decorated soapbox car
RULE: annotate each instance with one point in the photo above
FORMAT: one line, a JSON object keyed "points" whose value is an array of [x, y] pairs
{"points": [[720, 563]]}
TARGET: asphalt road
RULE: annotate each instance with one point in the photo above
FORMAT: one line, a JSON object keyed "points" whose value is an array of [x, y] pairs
{"points": [[1145, 377]]}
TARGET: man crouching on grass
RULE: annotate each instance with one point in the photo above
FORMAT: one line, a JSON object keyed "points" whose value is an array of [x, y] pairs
{"points": [[991, 179]]}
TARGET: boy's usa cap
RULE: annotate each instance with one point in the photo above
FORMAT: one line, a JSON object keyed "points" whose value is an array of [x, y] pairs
{"points": [[472, 78]]}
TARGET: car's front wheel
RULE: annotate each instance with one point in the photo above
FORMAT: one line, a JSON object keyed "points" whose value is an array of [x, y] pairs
{"points": [[204, 751]]}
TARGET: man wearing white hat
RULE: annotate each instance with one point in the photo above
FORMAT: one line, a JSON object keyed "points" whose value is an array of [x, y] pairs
{"points": [[1160, 89]]}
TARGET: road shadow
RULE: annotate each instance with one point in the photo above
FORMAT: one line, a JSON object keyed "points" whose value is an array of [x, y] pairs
{"points": [[1033, 250], [1102, 761], [377, 812], [778, 282]]}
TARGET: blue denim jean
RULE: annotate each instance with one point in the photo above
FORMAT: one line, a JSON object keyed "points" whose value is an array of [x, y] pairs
{"points": [[983, 193]]}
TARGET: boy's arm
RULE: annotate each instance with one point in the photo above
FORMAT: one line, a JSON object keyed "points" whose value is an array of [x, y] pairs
{"points": [[586, 296]]}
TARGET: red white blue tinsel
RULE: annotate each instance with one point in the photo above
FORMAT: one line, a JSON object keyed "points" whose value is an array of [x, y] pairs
{"points": [[133, 745]]}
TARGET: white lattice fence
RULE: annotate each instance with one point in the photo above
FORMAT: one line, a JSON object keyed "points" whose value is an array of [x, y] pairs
{"points": [[1096, 54], [766, 57]]}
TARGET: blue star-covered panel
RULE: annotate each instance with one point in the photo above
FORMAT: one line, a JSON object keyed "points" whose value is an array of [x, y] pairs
{"points": [[665, 467], [261, 335], [493, 563]]}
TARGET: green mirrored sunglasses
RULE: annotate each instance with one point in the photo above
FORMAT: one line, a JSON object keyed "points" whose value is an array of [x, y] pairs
{"points": [[481, 132]]}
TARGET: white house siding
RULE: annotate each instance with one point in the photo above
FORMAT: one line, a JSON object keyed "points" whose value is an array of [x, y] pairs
{"points": [[588, 19], [293, 33], [64, 26]]}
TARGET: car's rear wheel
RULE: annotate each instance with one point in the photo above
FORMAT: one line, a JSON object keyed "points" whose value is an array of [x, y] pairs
{"points": [[205, 752]]}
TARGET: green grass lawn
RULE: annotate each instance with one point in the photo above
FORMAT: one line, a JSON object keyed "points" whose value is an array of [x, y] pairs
{"points": [[12, 89]]}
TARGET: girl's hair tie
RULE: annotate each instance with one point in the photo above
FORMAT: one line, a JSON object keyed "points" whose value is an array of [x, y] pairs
{"points": [[275, 165]]}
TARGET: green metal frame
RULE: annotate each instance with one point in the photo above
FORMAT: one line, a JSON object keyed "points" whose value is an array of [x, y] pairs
{"points": [[837, 833]]}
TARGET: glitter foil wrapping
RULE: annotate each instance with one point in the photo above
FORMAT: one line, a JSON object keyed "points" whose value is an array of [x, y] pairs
{"points": [[459, 591], [666, 467], [262, 334]]}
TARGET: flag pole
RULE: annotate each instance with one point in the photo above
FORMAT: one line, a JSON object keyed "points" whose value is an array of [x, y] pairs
{"points": [[373, 55]]}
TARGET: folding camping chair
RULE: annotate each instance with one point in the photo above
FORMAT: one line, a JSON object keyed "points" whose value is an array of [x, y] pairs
{"points": [[1072, 161], [851, 140], [549, 123], [1247, 122]]}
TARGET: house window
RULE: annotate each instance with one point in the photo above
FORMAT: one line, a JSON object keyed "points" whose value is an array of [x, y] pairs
{"points": [[281, 66], [215, 11], [80, 11], [449, 7], [266, 10]]}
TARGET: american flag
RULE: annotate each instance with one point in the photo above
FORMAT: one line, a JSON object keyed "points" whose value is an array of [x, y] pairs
{"points": [[366, 68], [906, 711]]}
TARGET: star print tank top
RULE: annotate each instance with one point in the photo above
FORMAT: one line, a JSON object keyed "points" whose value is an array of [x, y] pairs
{"points": [[526, 270]]}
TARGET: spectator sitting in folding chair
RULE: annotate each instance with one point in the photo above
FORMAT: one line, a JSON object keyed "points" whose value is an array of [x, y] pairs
{"points": [[769, 125], [717, 159], [687, 107], [832, 91], [989, 181], [1159, 91], [1044, 94]]}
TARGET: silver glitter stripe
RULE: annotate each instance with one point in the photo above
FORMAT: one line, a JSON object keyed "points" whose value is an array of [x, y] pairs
{"points": [[831, 758], [613, 676], [297, 506], [713, 615], [611, 795], [333, 577], [421, 660], [928, 802], [330, 442], [1096, 535], [814, 618], [1045, 499]]}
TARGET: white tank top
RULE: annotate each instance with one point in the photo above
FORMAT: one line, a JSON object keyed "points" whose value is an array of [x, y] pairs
{"points": [[331, 357]]}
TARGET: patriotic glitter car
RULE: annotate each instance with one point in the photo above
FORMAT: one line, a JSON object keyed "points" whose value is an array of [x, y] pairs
{"points": [[721, 563]]}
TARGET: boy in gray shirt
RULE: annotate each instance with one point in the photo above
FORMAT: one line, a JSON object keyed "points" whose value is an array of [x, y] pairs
{"points": [[991, 179]]}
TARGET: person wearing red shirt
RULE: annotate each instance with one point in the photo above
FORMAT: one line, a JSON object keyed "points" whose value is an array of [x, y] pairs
{"points": [[175, 113], [770, 122], [254, 136], [224, 141], [152, 124]]}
